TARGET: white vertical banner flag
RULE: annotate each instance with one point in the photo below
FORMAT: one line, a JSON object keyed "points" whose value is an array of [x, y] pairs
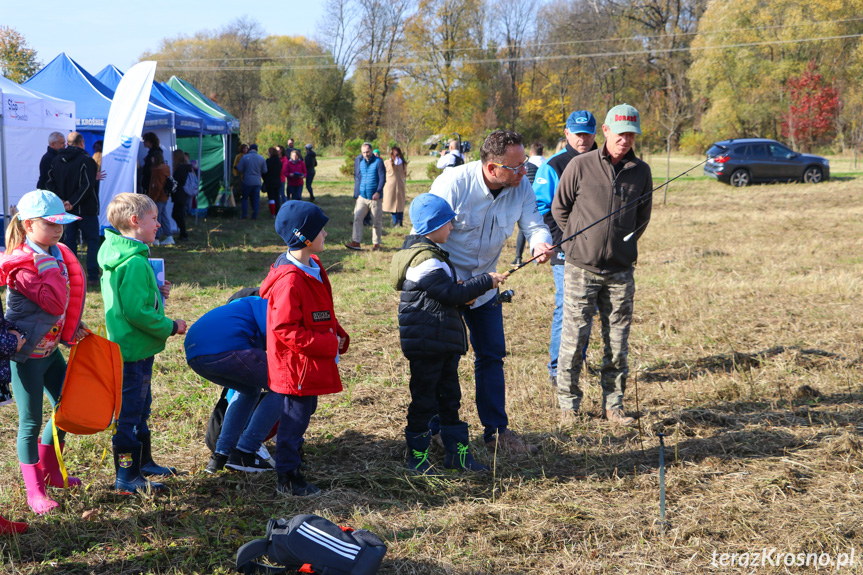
{"points": [[123, 134]]}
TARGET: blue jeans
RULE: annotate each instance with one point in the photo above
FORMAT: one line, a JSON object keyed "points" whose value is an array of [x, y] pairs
{"points": [[253, 194], [166, 229], [244, 371], [89, 228], [556, 320], [282, 195], [296, 413], [489, 345], [137, 399], [295, 192]]}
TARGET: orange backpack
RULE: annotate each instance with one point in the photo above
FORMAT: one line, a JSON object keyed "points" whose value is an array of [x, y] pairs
{"points": [[93, 388]]}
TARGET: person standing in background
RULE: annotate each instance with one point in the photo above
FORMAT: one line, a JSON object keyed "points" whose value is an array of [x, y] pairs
{"points": [[395, 185], [311, 161]]}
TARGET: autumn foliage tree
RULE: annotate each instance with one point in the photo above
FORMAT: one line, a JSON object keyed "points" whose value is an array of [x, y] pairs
{"points": [[812, 110], [17, 60]]}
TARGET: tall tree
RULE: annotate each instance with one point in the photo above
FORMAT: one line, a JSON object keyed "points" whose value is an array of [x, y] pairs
{"points": [[440, 36], [380, 30], [224, 64], [514, 25], [745, 55], [17, 60]]}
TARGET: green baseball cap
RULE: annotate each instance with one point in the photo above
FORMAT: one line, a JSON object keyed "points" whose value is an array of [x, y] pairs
{"points": [[623, 118]]}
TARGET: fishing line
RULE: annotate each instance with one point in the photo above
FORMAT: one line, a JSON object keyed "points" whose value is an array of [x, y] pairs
{"points": [[612, 214]]}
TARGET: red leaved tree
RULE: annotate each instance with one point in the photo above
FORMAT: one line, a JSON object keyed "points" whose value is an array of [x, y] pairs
{"points": [[812, 109]]}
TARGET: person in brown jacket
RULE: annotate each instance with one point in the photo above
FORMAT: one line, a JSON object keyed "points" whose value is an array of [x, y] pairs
{"points": [[395, 185], [599, 266], [158, 175]]}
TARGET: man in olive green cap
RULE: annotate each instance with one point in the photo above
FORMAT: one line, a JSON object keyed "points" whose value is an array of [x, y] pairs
{"points": [[600, 262]]}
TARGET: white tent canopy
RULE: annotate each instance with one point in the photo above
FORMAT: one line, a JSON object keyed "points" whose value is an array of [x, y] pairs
{"points": [[27, 118]]}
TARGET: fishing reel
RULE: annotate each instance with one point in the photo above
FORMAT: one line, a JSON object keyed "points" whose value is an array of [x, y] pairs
{"points": [[504, 297]]}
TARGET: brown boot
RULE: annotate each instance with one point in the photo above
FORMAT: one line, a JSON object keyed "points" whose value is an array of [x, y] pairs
{"points": [[376, 247], [353, 246], [508, 440], [617, 416]]}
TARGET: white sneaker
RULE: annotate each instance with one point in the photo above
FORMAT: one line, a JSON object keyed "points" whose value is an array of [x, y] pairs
{"points": [[155, 242], [169, 241], [264, 454]]}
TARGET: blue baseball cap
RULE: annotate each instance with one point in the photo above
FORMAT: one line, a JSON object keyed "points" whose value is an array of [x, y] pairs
{"points": [[46, 205], [429, 213], [581, 122]]}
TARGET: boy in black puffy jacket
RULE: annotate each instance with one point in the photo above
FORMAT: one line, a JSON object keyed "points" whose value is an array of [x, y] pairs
{"points": [[433, 335]]}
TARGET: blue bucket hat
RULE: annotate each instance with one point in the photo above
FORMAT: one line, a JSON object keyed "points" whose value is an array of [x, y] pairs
{"points": [[299, 223], [581, 122], [429, 212], [46, 205]]}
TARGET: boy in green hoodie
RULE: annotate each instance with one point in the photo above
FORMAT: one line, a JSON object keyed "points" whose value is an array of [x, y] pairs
{"points": [[135, 319]]}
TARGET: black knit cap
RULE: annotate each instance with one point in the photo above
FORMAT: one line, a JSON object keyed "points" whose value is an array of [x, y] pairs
{"points": [[299, 223]]}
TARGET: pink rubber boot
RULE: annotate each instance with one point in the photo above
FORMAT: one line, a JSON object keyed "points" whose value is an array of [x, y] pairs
{"points": [[51, 467], [34, 480]]}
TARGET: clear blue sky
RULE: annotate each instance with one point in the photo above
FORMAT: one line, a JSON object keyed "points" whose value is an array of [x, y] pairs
{"points": [[96, 33]]}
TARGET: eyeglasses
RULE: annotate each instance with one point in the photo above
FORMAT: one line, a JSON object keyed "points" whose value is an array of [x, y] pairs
{"points": [[514, 170]]}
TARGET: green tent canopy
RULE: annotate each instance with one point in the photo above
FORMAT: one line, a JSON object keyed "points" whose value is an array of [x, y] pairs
{"points": [[216, 150]]}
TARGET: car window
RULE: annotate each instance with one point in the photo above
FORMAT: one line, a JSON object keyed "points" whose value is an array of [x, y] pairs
{"points": [[742, 151], [758, 151], [716, 150], [780, 152]]}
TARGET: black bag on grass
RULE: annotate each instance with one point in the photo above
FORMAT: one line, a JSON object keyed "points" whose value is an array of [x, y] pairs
{"points": [[312, 544]]}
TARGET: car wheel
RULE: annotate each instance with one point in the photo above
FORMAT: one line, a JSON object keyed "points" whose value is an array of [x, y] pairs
{"points": [[740, 178], [813, 175]]}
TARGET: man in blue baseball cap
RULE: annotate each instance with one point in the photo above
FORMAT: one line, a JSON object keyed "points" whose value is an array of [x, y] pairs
{"points": [[600, 263], [580, 135]]}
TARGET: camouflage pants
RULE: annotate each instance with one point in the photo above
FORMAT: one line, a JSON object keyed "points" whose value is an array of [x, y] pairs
{"points": [[613, 294]]}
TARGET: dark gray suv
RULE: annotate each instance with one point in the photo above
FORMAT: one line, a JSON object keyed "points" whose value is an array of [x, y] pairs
{"points": [[749, 160]]}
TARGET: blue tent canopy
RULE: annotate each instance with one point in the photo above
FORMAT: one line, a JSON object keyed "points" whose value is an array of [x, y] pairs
{"points": [[186, 124], [65, 78], [212, 124]]}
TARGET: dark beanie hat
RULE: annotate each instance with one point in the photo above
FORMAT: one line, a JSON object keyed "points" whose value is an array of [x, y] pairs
{"points": [[299, 223]]}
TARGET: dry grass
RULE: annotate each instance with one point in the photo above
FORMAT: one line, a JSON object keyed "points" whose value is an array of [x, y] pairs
{"points": [[746, 346]]}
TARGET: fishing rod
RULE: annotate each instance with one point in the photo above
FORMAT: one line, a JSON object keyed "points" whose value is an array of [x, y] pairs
{"points": [[612, 214]]}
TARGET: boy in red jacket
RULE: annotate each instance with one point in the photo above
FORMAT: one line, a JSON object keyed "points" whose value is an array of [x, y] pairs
{"points": [[304, 338]]}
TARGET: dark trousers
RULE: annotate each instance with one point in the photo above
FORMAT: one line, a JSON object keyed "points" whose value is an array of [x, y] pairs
{"points": [[137, 399], [297, 411], [434, 390], [309, 179], [274, 195], [253, 195], [89, 228], [178, 212]]}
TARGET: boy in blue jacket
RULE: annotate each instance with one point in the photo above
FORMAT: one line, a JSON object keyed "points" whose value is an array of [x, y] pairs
{"points": [[433, 335]]}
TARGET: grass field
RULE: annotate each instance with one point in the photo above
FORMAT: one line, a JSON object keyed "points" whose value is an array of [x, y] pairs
{"points": [[745, 350]]}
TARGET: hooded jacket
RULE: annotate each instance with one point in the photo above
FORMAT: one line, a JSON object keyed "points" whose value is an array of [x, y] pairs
{"points": [[544, 186], [134, 310], [301, 331], [37, 296], [430, 322], [73, 178], [590, 188]]}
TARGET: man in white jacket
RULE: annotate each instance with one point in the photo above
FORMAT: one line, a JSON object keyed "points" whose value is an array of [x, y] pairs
{"points": [[488, 198]]}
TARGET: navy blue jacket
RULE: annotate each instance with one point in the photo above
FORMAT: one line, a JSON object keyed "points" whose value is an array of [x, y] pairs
{"points": [[430, 322]]}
